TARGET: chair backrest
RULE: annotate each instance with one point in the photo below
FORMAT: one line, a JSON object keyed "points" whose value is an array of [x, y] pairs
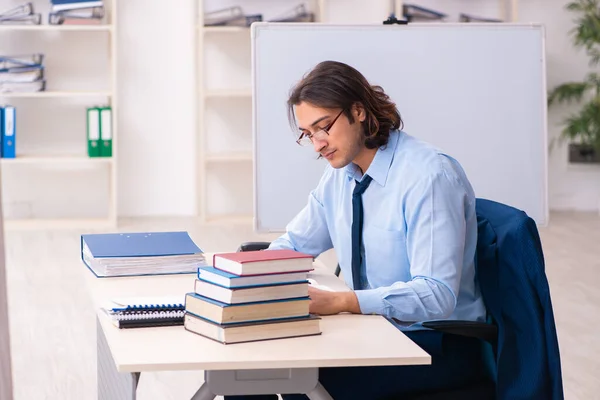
{"points": [[6, 387], [510, 270]]}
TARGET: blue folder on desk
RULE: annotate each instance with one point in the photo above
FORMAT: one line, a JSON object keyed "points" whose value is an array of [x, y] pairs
{"points": [[141, 253]]}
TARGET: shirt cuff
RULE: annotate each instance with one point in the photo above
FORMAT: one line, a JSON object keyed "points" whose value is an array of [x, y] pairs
{"points": [[370, 301]]}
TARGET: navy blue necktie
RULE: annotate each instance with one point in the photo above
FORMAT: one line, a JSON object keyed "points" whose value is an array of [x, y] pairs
{"points": [[357, 226]]}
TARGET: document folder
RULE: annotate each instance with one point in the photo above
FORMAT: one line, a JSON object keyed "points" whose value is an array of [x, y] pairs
{"points": [[105, 132], [93, 131], [297, 14], [231, 16], [8, 131]]}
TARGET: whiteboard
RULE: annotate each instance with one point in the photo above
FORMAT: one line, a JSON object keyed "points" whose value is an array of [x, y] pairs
{"points": [[476, 91]]}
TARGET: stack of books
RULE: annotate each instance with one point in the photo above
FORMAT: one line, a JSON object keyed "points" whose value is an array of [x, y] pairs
{"points": [[141, 253], [76, 12], [251, 296], [22, 73]]}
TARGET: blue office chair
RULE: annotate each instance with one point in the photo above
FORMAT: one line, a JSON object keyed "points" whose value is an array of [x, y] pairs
{"points": [[524, 357]]}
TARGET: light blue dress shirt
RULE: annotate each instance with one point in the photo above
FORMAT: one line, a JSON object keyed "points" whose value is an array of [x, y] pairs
{"points": [[419, 233]]}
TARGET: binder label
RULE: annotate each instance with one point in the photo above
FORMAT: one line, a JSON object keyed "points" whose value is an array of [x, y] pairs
{"points": [[105, 115], [93, 128], [9, 120]]}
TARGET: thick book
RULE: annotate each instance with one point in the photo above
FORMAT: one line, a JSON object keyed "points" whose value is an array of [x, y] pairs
{"points": [[253, 331], [139, 253], [229, 280], [259, 262], [251, 294], [145, 312], [223, 313]]}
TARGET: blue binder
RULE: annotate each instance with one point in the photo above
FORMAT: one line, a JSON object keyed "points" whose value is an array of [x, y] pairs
{"points": [[139, 244], [140, 253], [9, 122]]}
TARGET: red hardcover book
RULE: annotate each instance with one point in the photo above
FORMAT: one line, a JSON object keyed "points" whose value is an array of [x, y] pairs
{"points": [[261, 262]]}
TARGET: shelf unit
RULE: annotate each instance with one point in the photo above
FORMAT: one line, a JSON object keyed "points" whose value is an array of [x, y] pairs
{"points": [[225, 118], [106, 27], [46, 94], [216, 57], [59, 162]]}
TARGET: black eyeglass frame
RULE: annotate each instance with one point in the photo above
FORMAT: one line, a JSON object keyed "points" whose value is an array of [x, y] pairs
{"points": [[325, 129]]}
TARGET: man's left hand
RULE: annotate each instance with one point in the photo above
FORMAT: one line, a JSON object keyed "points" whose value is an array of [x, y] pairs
{"points": [[324, 302]]}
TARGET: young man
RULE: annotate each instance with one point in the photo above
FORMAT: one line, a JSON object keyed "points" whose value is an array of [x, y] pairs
{"points": [[400, 215]]}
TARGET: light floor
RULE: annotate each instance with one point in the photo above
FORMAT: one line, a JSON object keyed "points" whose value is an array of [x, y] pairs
{"points": [[53, 327]]}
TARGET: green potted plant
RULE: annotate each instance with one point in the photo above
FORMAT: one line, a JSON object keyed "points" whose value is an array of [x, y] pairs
{"points": [[582, 129]]}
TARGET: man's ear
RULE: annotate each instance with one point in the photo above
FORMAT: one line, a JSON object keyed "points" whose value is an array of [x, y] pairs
{"points": [[358, 112]]}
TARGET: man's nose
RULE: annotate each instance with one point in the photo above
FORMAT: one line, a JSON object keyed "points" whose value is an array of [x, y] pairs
{"points": [[319, 144]]}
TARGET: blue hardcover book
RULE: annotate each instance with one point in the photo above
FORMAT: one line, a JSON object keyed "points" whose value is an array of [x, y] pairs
{"points": [[229, 314], [8, 131], [141, 253], [229, 280]]}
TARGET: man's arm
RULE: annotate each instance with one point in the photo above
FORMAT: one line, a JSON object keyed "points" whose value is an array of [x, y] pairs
{"points": [[436, 238], [307, 232]]}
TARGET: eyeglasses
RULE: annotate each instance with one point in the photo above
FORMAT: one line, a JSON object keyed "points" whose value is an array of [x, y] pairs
{"points": [[306, 138]]}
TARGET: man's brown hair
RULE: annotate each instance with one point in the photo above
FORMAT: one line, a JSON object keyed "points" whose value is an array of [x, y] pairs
{"points": [[332, 84]]}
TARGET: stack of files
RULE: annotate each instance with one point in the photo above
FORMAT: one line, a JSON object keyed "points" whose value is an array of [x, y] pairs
{"points": [[414, 13], [252, 296], [143, 312], [8, 131], [298, 14], [472, 18], [132, 254], [231, 16], [76, 12], [20, 15], [22, 73]]}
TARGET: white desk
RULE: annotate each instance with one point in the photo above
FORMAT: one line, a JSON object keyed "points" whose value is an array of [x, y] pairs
{"points": [[274, 366]]}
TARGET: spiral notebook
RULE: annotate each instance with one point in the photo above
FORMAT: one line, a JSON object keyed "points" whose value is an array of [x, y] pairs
{"points": [[144, 312]]}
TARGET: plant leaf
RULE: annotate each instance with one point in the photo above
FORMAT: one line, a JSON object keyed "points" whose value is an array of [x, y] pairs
{"points": [[569, 92]]}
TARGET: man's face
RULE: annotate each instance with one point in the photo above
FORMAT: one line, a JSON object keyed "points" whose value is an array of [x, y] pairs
{"points": [[339, 143]]}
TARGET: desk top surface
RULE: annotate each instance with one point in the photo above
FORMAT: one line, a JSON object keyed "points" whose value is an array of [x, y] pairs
{"points": [[346, 339]]}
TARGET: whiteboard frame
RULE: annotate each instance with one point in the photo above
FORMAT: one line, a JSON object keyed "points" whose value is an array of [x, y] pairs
{"points": [[258, 26]]}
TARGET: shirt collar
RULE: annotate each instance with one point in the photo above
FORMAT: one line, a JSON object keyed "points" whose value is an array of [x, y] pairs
{"points": [[380, 166]]}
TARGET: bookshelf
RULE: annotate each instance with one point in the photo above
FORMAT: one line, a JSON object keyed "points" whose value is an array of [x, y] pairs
{"points": [[46, 94], [51, 28], [225, 182], [63, 103], [224, 117]]}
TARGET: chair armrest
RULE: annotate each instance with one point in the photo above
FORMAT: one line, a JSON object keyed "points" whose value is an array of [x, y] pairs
{"points": [[480, 330], [253, 246]]}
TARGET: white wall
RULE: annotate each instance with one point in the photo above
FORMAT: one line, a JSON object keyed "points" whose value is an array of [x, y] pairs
{"points": [[157, 89], [570, 186]]}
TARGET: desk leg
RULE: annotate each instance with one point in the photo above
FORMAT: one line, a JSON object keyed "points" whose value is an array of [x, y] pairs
{"points": [[319, 393], [112, 384], [203, 393], [262, 381]]}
